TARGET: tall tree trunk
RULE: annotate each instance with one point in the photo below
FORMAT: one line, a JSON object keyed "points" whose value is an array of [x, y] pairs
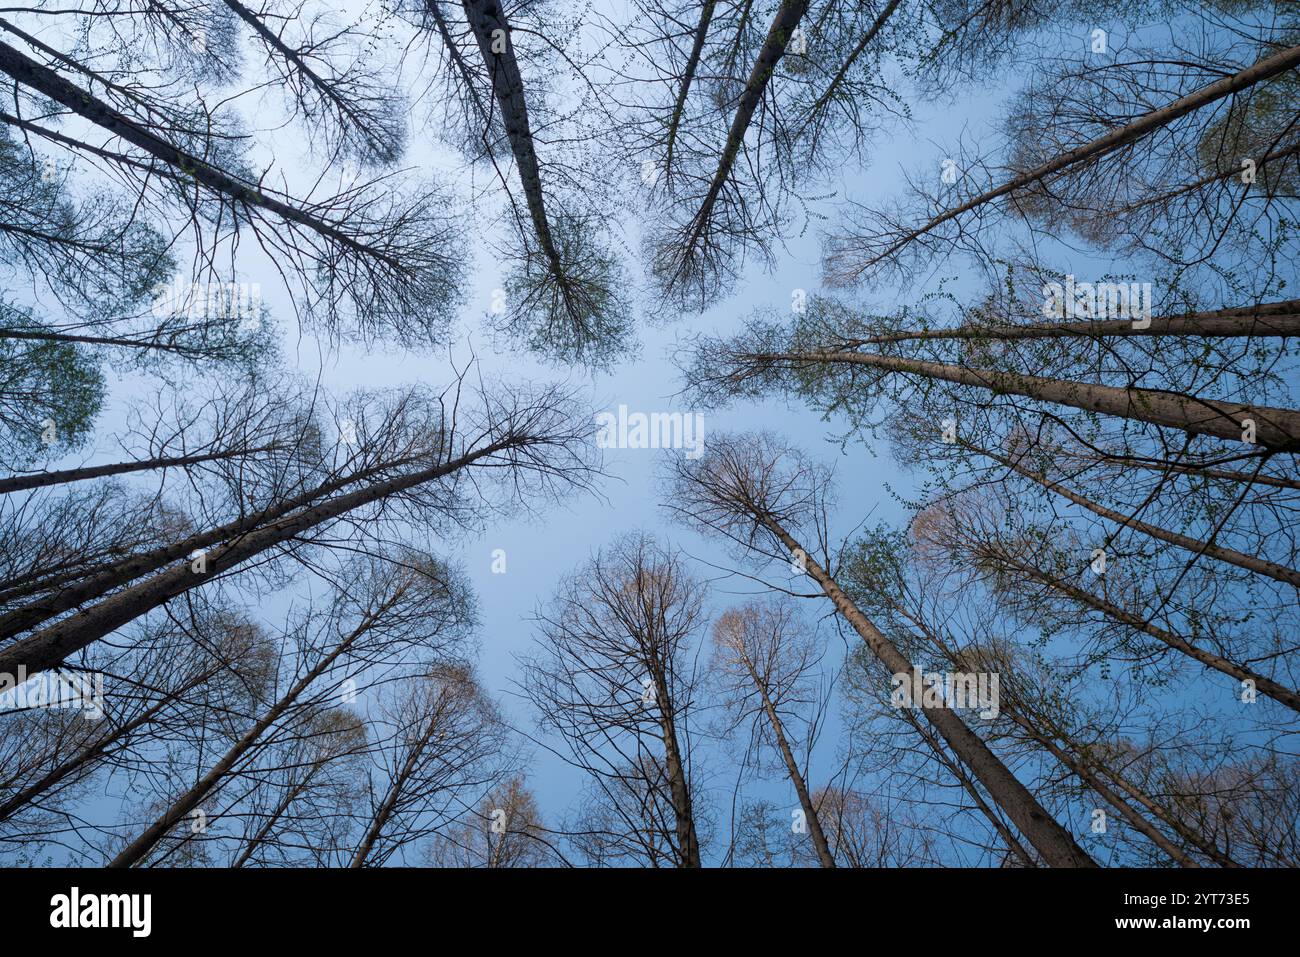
{"points": [[467, 78], [963, 777], [815, 831], [692, 64], [104, 579], [1223, 665], [154, 342], [1249, 562], [847, 65], [1080, 770], [783, 26], [486, 17], [292, 57], [1244, 478], [388, 806], [49, 646], [1280, 320], [134, 852], [263, 832], [1265, 69], [19, 483], [1053, 842], [688, 847], [184, 165], [1275, 429], [84, 758]]}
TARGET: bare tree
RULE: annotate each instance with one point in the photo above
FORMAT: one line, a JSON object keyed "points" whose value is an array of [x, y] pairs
{"points": [[752, 491], [614, 678], [766, 661]]}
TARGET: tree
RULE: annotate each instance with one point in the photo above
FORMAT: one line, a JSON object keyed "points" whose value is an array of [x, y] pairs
{"points": [[386, 606], [751, 491], [504, 830], [765, 662], [613, 678], [443, 749], [520, 432]]}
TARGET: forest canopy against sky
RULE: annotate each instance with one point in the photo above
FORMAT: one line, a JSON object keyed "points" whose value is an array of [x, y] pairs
{"points": [[673, 433]]}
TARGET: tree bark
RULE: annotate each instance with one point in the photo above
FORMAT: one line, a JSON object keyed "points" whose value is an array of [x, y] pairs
{"points": [[1110, 142], [684, 817], [105, 579], [1275, 429], [46, 648], [1249, 562], [1053, 842], [692, 64]]}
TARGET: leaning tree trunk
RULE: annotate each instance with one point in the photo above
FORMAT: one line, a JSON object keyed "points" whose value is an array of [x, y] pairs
{"points": [[183, 165], [1265, 69], [103, 580], [49, 646], [778, 36], [491, 28], [688, 78], [847, 65], [815, 831], [958, 771], [688, 846], [1080, 770], [1275, 429], [20, 483], [83, 759], [1275, 320], [134, 852], [1266, 686], [1250, 563], [1052, 841]]}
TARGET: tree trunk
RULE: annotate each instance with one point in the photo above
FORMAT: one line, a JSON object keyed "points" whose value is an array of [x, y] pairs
{"points": [[847, 65], [48, 647], [692, 64], [824, 854], [783, 26], [964, 779], [19, 483], [1249, 562], [45, 81], [1239, 672], [1275, 429], [102, 581], [1264, 69], [1279, 320], [688, 846], [1080, 770], [1051, 840], [134, 852], [33, 791], [486, 17]]}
